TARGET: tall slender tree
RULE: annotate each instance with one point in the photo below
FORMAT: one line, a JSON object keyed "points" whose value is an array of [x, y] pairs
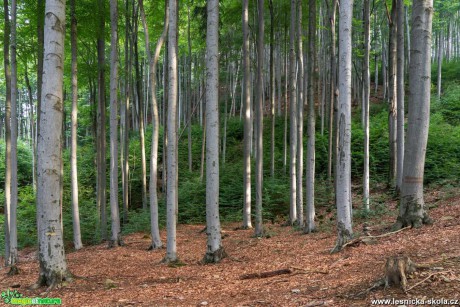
{"points": [[101, 132], [247, 119], [171, 150], [259, 118], [343, 163], [293, 108], [400, 94], [154, 225], [310, 167], [214, 251], [7, 69], [412, 206], [299, 112], [115, 239], [366, 96], [53, 266], [73, 150]]}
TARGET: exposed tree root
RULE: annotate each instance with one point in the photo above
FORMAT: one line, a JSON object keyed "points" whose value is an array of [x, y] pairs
{"points": [[214, 257], [14, 270], [429, 276], [370, 238]]}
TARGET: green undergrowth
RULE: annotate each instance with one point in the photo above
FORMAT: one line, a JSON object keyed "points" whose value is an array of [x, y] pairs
{"points": [[442, 168]]}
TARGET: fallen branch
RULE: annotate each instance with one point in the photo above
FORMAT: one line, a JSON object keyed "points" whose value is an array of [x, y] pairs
{"points": [[361, 239], [429, 276], [309, 271], [265, 274]]}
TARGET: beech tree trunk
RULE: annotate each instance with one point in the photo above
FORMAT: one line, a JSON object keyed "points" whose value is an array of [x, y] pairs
{"points": [[73, 151], [299, 111], [412, 206], [247, 120], [115, 239], [293, 107], [154, 225], [214, 251], [400, 95], [310, 167], [101, 143], [343, 163], [366, 96], [392, 96], [171, 150], [7, 69], [53, 266], [259, 119]]}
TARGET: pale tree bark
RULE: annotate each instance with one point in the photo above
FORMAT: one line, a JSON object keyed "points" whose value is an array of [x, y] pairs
{"points": [[7, 69], [412, 206], [171, 150], [299, 111], [343, 163], [366, 96], [189, 91], [115, 239], [439, 59], [214, 251], [51, 255], [73, 151], [154, 225], [272, 89], [392, 95], [125, 120], [259, 231], [400, 95], [293, 107], [13, 257], [310, 167], [101, 143], [332, 107], [247, 120]]}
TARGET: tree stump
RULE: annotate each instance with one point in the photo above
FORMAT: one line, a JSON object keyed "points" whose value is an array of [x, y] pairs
{"points": [[396, 269]]}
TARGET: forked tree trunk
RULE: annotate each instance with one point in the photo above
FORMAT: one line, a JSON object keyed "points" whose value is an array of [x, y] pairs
{"points": [[412, 206], [214, 251], [154, 225], [247, 120], [53, 266], [73, 151], [115, 239], [343, 163]]}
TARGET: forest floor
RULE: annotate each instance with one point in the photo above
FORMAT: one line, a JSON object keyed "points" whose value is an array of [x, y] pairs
{"points": [[133, 276]]}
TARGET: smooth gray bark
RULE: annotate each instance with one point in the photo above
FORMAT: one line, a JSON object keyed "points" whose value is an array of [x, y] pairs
{"points": [[53, 266], [310, 163], [366, 96], [153, 189], [115, 239], [171, 150], [247, 120], [412, 206], [214, 251], [74, 117], [293, 108], [259, 108], [343, 159], [392, 96], [299, 111], [400, 95]]}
